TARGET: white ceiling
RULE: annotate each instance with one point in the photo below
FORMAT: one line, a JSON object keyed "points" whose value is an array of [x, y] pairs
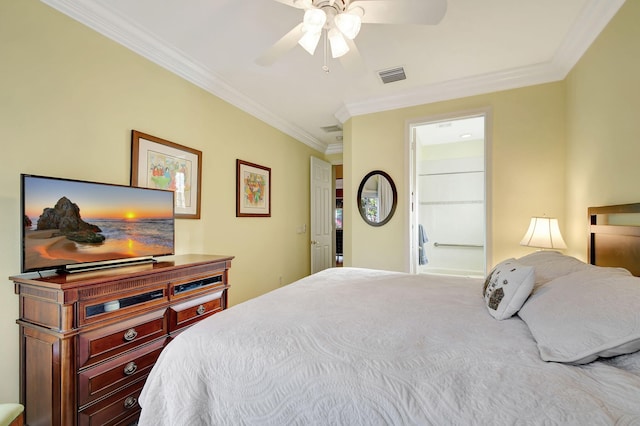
{"points": [[478, 47], [451, 131]]}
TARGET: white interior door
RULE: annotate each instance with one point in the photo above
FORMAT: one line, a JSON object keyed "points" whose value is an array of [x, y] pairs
{"points": [[321, 229]]}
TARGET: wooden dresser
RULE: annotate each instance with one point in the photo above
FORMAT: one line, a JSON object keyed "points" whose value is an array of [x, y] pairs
{"points": [[88, 340]]}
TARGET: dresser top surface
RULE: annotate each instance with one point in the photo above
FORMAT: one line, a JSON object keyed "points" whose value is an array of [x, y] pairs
{"points": [[165, 263]]}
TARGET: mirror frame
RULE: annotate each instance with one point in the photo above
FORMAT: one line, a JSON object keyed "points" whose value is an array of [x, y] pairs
{"points": [[395, 197]]}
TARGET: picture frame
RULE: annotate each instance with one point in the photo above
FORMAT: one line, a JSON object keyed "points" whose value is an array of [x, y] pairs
{"points": [[253, 190], [161, 164]]}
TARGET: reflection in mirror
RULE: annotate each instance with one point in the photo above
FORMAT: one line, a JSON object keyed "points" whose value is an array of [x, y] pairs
{"points": [[377, 198]]}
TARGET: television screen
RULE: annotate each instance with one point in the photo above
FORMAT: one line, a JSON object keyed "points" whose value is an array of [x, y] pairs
{"points": [[70, 224]]}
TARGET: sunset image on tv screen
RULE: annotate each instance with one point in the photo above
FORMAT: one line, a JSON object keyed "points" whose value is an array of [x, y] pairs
{"points": [[68, 222]]}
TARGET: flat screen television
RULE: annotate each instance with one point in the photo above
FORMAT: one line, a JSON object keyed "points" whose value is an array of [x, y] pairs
{"points": [[71, 225]]}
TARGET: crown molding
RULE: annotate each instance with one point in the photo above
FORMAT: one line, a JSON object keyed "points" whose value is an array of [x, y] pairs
{"points": [[334, 148], [594, 17], [588, 25], [454, 89], [124, 32], [592, 20]]}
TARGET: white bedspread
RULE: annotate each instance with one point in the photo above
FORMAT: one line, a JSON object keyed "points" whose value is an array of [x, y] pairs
{"points": [[360, 347]]}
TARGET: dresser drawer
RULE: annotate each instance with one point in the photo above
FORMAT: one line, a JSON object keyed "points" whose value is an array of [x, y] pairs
{"points": [[197, 285], [98, 345], [113, 410], [131, 420], [98, 381], [96, 309], [192, 311]]}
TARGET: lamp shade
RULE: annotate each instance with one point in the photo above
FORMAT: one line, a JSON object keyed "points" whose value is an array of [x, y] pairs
{"points": [[314, 20], [349, 22], [543, 232], [309, 41], [339, 46]]}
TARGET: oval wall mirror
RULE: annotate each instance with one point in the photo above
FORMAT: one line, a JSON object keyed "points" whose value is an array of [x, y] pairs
{"points": [[377, 198]]}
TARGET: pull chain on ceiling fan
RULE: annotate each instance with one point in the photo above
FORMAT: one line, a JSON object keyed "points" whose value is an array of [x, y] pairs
{"points": [[340, 22]]}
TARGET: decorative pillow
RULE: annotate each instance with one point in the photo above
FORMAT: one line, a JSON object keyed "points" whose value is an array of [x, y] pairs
{"points": [[585, 315], [507, 287]]}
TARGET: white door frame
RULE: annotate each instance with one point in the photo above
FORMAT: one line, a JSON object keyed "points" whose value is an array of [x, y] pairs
{"points": [[410, 179]]}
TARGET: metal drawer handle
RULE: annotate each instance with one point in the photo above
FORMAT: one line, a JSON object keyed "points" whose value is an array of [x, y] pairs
{"points": [[130, 334], [201, 310], [130, 368], [130, 402]]}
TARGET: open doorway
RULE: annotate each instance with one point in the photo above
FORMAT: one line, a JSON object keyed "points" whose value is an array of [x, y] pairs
{"points": [[449, 182], [338, 215]]}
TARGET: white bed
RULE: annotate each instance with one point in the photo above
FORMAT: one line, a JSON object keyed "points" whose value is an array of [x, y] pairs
{"points": [[362, 347]]}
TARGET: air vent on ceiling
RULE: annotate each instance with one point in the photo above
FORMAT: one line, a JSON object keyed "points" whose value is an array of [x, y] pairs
{"points": [[331, 129], [392, 74]]}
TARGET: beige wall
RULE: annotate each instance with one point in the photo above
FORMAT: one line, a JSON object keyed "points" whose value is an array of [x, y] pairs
{"points": [[556, 149], [526, 157], [69, 99], [603, 125]]}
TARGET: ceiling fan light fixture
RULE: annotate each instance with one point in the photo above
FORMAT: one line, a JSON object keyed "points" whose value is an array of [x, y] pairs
{"points": [[338, 44], [309, 41], [349, 22], [314, 20]]}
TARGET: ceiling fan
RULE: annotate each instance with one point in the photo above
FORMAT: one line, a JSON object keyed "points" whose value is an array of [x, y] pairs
{"points": [[338, 23]]}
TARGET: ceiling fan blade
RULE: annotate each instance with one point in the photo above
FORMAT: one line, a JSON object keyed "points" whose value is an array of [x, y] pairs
{"points": [[421, 12], [280, 47], [299, 4], [352, 61]]}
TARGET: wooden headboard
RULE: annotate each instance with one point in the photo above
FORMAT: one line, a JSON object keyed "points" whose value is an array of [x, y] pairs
{"points": [[614, 236]]}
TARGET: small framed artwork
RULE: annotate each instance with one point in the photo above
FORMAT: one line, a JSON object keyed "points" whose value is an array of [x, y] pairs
{"points": [[161, 164], [253, 190]]}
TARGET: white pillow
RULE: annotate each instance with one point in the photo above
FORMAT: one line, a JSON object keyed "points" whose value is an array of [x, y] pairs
{"points": [[507, 287], [588, 314], [550, 265]]}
